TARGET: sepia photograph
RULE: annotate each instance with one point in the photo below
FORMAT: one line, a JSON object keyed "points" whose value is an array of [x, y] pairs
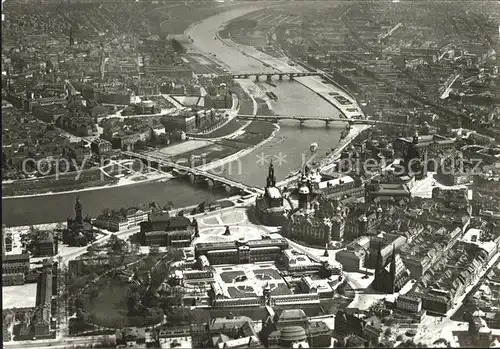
{"points": [[250, 174]]}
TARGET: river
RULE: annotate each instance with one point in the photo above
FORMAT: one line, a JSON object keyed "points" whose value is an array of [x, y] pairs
{"points": [[287, 149]]}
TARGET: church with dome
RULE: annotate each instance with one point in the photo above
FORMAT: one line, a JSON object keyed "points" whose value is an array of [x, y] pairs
{"points": [[269, 207]]}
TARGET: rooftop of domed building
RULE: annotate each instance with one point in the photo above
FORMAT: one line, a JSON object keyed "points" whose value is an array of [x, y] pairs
{"points": [[289, 315], [293, 334]]}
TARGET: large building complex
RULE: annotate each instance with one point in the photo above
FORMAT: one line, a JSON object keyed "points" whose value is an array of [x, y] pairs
{"points": [[43, 312], [122, 220], [163, 230], [241, 251]]}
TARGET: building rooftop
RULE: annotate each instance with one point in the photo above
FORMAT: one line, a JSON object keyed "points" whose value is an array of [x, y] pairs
{"points": [[274, 193], [172, 223], [293, 334], [289, 315], [335, 182]]}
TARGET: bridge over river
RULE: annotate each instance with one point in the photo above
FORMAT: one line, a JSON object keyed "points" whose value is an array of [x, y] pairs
{"points": [[194, 174], [326, 119], [280, 75]]}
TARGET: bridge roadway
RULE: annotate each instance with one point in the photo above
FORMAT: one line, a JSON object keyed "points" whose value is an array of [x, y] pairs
{"points": [[280, 75], [327, 120], [194, 172]]}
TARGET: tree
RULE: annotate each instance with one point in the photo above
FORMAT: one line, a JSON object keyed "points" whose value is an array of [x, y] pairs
{"points": [[133, 300], [177, 46], [201, 207]]}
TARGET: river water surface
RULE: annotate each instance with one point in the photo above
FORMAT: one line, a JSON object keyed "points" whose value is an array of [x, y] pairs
{"points": [[287, 149]]}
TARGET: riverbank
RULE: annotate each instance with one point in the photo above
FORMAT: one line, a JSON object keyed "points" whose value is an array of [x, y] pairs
{"points": [[290, 143], [215, 164], [325, 91], [228, 149], [122, 182], [331, 93]]}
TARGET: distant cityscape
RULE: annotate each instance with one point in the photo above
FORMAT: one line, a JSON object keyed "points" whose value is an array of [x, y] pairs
{"points": [[385, 233]]}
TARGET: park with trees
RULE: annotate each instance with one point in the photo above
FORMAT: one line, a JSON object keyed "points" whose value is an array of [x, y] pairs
{"points": [[120, 289]]}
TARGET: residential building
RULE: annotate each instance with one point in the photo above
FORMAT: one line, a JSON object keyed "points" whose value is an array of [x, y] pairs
{"points": [[101, 146], [47, 245], [347, 324], [409, 303], [362, 221], [13, 279], [307, 228], [388, 191], [392, 276], [17, 263], [353, 258], [423, 143], [185, 121]]}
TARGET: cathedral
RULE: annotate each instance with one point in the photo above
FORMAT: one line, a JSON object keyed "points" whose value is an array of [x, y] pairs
{"points": [[391, 276], [269, 207]]}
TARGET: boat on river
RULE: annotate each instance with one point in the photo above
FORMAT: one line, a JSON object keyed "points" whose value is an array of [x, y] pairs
{"points": [[272, 95]]}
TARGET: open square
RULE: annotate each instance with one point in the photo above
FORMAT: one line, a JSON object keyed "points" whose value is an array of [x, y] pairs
{"points": [[248, 280], [19, 296]]}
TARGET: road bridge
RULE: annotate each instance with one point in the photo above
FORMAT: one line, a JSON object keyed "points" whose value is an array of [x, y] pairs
{"points": [[326, 119], [280, 75], [194, 174]]}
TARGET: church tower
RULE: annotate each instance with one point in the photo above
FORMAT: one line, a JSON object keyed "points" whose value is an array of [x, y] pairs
{"points": [[412, 153], [303, 196], [392, 268], [415, 138], [266, 294], [271, 178], [379, 269], [78, 211]]}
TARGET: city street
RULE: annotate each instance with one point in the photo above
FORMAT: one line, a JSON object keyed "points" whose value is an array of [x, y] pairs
{"points": [[58, 343]]}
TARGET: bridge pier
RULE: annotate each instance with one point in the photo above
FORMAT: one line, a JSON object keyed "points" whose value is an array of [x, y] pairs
{"points": [[210, 183], [292, 76], [192, 178], [257, 77], [227, 188], [301, 122], [280, 76], [327, 123], [269, 77]]}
